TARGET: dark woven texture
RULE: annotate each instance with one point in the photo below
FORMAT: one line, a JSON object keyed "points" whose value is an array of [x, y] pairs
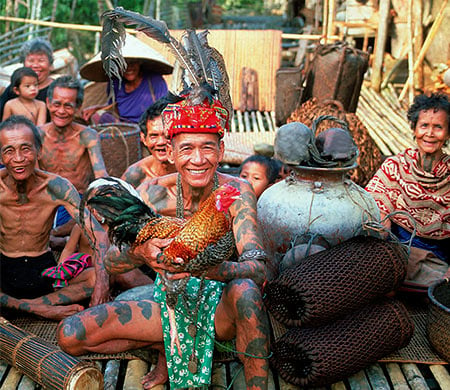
{"points": [[438, 323], [121, 146], [324, 355], [332, 283]]}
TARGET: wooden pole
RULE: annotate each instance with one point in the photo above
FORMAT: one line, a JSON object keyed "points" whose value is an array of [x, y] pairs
{"points": [[380, 44], [325, 21], [418, 40], [410, 52], [433, 30], [331, 17]]}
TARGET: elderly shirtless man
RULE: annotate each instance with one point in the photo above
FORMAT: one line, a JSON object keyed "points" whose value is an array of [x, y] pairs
{"points": [[29, 198], [69, 149], [154, 138]]}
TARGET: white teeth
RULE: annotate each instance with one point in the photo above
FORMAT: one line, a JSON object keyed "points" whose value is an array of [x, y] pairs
{"points": [[197, 172]]}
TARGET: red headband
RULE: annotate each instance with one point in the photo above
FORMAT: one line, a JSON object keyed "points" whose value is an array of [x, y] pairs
{"points": [[205, 118]]}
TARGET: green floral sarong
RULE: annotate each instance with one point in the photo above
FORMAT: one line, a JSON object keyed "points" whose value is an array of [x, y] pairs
{"points": [[179, 374]]}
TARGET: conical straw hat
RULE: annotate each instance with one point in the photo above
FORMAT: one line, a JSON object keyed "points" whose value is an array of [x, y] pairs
{"points": [[152, 61]]}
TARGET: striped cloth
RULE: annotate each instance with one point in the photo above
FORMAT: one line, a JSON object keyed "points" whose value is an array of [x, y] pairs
{"points": [[68, 269]]}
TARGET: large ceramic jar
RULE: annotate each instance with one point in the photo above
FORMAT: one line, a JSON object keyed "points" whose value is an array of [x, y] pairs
{"points": [[317, 205]]}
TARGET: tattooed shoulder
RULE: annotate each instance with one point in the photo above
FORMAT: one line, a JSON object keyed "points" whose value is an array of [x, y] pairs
{"points": [[62, 189]]}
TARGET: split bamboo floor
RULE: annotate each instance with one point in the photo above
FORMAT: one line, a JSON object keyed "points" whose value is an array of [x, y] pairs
{"points": [[126, 374]]}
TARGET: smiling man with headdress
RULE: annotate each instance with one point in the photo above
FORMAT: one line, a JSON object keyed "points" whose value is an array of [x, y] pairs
{"points": [[225, 302]]}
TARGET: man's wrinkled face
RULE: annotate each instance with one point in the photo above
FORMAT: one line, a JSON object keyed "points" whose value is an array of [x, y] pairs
{"points": [[196, 157], [62, 107], [155, 140], [18, 151]]}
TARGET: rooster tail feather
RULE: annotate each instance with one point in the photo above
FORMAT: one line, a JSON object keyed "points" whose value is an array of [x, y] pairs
{"points": [[121, 206]]}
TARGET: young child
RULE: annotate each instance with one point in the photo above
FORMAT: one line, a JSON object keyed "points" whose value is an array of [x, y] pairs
{"points": [[260, 171], [24, 83]]}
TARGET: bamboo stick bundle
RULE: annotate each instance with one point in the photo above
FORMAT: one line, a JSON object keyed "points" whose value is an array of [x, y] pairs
{"points": [[398, 120], [395, 142], [379, 134], [44, 362], [390, 116]]}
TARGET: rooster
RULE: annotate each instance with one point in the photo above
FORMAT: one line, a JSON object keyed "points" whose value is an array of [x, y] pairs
{"points": [[199, 243]]}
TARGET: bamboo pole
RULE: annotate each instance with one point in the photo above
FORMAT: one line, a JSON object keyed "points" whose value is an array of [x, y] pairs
{"points": [[69, 26], [380, 43], [311, 37], [434, 28]]}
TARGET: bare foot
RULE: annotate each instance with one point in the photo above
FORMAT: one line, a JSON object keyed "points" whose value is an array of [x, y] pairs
{"points": [[157, 376], [55, 312]]}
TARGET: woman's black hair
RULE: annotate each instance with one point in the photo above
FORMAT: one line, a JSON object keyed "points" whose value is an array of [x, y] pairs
{"points": [[434, 101]]}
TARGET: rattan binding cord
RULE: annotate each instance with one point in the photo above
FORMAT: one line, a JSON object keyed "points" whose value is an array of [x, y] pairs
{"points": [[323, 355], [337, 281]]}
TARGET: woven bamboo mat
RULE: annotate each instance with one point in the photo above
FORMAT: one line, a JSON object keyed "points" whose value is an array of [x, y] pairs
{"points": [[418, 350]]}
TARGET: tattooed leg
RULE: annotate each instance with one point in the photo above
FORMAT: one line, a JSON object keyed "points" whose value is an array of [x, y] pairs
{"points": [[241, 314], [42, 310], [112, 327], [79, 289]]}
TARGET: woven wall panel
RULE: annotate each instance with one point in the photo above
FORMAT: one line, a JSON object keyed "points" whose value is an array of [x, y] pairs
{"points": [[256, 49]]}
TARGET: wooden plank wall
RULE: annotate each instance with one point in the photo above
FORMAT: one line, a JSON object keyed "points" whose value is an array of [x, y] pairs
{"points": [[259, 50]]}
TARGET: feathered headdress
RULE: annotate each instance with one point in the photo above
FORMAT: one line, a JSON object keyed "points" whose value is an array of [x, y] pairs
{"points": [[207, 104]]}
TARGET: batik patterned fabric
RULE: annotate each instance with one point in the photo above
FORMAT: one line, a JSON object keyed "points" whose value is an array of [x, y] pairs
{"points": [[401, 184], [207, 301], [68, 269]]}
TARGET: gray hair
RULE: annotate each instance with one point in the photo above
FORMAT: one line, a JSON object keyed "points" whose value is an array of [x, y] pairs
{"points": [[66, 82], [15, 121], [37, 46]]}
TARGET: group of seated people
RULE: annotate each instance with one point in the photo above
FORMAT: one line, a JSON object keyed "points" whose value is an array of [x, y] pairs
{"points": [[51, 165]]}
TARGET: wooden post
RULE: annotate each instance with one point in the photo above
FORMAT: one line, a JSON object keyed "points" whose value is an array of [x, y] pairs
{"points": [[380, 44], [325, 21], [410, 52], [418, 40], [331, 17], [433, 30]]}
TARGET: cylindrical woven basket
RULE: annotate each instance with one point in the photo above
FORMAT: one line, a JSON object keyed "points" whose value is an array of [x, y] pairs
{"points": [[337, 281], [329, 353], [121, 146], [438, 321], [44, 362]]}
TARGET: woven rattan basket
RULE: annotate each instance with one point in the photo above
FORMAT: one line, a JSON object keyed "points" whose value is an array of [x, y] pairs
{"points": [[438, 323], [329, 353], [121, 146]]}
